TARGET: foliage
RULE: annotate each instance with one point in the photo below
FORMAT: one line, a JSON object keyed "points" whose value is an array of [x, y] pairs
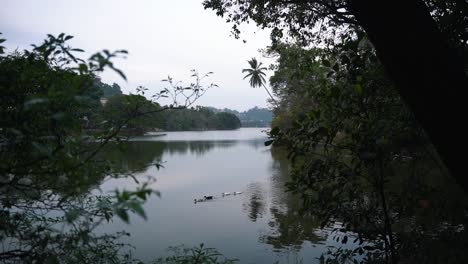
{"points": [[254, 117], [256, 74], [360, 158], [108, 90], [50, 162], [227, 121], [297, 21], [198, 118], [326, 21], [146, 115], [143, 114], [195, 255], [184, 95]]}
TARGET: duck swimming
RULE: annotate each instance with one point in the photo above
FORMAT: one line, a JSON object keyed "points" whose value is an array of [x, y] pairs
{"points": [[235, 193], [226, 193]]}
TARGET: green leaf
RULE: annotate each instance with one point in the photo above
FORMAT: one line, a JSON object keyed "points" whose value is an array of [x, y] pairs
{"points": [[344, 240], [83, 67], [326, 63], [71, 215], [122, 214], [274, 131], [119, 72], [138, 209], [358, 88], [125, 196], [141, 195]]}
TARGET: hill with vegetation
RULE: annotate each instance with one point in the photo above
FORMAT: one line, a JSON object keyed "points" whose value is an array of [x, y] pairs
{"points": [[116, 110], [107, 89], [194, 118], [254, 117]]}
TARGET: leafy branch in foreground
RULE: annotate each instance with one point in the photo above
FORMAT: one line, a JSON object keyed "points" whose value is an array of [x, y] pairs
{"points": [[359, 159], [189, 93], [50, 163], [195, 255]]}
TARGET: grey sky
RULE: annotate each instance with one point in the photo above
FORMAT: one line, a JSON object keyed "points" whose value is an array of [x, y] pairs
{"points": [[162, 37]]}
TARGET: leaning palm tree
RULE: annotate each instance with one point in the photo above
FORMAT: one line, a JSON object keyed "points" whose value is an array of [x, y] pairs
{"points": [[256, 74]]}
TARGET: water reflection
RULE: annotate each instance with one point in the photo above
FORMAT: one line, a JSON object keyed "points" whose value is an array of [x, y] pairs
{"points": [[289, 227], [262, 225], [135, 156], [254, 201], [197, 148]]}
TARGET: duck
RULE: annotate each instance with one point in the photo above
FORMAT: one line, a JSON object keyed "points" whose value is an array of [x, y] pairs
{"points": [[235, 193], [198, 200], [208, 197], [226, 193]]}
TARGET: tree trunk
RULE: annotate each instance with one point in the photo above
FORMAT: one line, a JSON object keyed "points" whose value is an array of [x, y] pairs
{"points": [[426, 71], [271, 96]]}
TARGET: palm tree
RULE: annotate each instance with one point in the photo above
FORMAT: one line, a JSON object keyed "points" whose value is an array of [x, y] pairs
{"points": [[256, 74]]}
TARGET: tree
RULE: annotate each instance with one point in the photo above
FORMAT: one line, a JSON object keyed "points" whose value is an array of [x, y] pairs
{"points": [[424, 67], [120, 108], [227, 121], [201, 118], [51, 162], [421, 61], [48, 161], [360, 159], [256, 75]]}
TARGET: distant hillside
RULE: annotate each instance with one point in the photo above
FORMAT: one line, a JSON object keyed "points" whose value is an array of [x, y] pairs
{"points": [[254, 117], [199, 118], [108, 90]]}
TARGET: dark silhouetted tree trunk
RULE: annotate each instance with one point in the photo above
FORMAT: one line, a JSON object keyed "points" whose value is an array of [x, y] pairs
{"points": [[428, 74]]}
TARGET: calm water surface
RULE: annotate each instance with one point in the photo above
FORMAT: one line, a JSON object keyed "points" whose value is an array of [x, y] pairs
{"points": [[261, 225]]}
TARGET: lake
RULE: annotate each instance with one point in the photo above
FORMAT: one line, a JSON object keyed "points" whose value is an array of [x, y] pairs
{"points": [[261, 225]]}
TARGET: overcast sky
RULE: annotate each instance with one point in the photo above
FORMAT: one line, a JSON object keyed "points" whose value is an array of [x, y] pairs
{"points": [[162, 37]]}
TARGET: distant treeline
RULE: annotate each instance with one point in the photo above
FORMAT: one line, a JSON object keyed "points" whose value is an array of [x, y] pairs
{"points": [[198, 118], [254, 117], [115, 107]]}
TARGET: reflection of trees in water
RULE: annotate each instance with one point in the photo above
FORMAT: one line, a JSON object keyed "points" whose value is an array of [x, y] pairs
{"points": [[198, 148], [254, 201], [257, 143], [136, 156], [289, 228]]}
